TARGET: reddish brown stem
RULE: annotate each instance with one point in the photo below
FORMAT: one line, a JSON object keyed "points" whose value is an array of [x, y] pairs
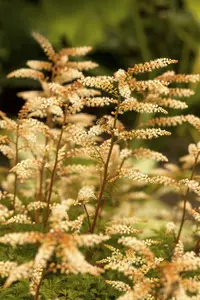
{"points": [[37, 296], [39, 194], [41, 180], [185, 201], [105, 173], [88, 217], [197, 245], [53, 174], [16, 161]]}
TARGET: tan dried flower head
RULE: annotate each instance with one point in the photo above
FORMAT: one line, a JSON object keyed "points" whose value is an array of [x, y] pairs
{"points": [[179, 78], [151, 65]]}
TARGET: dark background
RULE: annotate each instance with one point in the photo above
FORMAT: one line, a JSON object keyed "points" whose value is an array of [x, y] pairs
{"points": [[122, 32]]}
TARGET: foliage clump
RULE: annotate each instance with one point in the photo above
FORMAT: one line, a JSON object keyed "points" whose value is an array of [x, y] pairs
{"points": [[75, 182]]}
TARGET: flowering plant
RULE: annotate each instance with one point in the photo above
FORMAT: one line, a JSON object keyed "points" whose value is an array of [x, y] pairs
{"points": [[74, 182]]}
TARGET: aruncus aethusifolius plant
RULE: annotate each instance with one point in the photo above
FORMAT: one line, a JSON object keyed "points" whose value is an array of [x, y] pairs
{"points": [[80, 186]]}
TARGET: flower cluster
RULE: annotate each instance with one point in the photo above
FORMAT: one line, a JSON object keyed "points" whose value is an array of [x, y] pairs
{"points": [[75, 181]]}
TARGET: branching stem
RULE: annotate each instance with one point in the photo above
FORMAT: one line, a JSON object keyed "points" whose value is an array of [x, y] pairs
{"points": [[186, 199], [105, 173], [39, 194], [196, 247], [88, 216], [53, 174], [16, 161], [36, 296]]}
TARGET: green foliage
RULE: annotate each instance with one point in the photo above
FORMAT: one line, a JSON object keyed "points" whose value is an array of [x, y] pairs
{"points": [[21, 254], [18, 291], [165, 243], [77, 287]]}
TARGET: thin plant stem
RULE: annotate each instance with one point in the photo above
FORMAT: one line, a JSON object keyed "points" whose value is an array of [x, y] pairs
{"points": [[196, 247], [16, 161], [36, 296], [88, 216], [49, 124], [105, 173], [185, 201], [39, 194], [41, 180], [110, 178], [53, 174]]}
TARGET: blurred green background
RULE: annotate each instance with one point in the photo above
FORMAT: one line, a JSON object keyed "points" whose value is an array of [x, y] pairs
{"points": [[122, 32]]}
